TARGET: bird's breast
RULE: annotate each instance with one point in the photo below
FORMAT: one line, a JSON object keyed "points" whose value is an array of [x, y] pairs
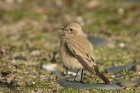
{"points": [[69, 61]]}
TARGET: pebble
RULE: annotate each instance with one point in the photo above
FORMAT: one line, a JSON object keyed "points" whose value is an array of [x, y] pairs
{"points": [[20, 58], [136, 68], [117, 69], [68, 83], [28, 83], [14, 82], [121, 45], [126, 83], [97, 41], [49, 67]]}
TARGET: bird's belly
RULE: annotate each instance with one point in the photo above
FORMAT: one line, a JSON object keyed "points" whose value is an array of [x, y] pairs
{"points": [[69, 61]]}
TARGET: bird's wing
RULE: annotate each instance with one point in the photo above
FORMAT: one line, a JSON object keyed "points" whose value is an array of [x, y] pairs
{"points": [[84, 59]]}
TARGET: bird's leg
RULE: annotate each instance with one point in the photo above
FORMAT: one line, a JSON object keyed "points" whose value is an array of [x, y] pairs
{"points": [[76, 75], [81, 80], [82, 77]]}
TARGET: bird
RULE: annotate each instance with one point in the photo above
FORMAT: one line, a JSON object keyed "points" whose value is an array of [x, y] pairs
{"points": [[76, 52]]}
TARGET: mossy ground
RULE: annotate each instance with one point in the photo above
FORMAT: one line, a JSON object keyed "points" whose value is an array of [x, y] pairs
{"points": [[33, 27]]}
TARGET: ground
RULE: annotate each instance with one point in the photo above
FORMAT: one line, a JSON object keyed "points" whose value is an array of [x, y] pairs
{"points": [[29, 37]]}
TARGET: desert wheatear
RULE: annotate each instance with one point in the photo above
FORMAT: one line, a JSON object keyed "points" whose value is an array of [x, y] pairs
{"points": [[77, 52]]}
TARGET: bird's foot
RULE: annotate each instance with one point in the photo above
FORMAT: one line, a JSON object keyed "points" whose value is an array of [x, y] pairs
{"points": [[81, 81]]}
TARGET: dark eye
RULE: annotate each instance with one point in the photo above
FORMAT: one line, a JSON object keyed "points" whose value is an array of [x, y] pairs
{"points": [[71, 29]]}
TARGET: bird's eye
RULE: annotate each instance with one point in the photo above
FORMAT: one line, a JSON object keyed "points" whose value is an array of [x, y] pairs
{"points": [[71, 29]]}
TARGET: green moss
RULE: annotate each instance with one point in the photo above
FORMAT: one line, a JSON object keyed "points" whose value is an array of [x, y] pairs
{"points": [[15, 15], [123, 28], [68, 90]]}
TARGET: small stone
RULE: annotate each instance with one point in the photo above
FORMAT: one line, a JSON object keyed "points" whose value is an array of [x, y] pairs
{"points": [[19, 1], [117, 69], [56, 73], [1, 53], [14, 82], [58, 77], [97, 41], [35, 53], [9, 1], [136, 68], [49, 67], [126, 83], [77, 78], [74, 72], [45, 18], [122, 45], [79, 19], [5, 73], [68, 82], [120, 11], [20, 58], [59, 3], [33, 82], [87, 73], [93, 4], [28, 83], [71, 73]]}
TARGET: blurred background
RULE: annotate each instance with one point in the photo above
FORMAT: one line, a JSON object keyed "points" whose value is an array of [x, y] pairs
{"points": [[29, 37]]}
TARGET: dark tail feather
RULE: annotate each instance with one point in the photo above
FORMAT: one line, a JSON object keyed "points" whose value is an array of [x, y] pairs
{"points": [[102, 76]]}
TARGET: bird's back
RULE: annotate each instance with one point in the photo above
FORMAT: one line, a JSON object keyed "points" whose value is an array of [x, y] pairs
{"points": [[82, 45]]}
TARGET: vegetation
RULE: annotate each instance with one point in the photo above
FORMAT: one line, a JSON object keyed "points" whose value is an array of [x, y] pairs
{"points": [[29, 37]]}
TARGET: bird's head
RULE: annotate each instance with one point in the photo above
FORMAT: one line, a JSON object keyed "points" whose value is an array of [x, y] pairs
{"points": [[72, 29]]}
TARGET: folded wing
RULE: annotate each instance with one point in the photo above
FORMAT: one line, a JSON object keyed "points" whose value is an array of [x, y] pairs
{"points": [[86, 61]]}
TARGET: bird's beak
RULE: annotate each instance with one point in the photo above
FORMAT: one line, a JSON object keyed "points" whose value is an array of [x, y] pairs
{"points": [[61, 29]]}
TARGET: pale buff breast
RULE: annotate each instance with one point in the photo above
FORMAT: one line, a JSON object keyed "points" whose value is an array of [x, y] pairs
{"points": [[68, 60]]}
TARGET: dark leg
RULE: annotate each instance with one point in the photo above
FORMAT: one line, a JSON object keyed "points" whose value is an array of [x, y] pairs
{"points": [[76, 75], [82, 76]]}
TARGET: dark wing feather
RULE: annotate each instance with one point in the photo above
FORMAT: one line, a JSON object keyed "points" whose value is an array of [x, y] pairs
{"points": [[88, 64]]}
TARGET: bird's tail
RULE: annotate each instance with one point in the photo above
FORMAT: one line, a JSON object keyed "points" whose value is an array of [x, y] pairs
{"points": [[93, 69], [102, 76]]}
